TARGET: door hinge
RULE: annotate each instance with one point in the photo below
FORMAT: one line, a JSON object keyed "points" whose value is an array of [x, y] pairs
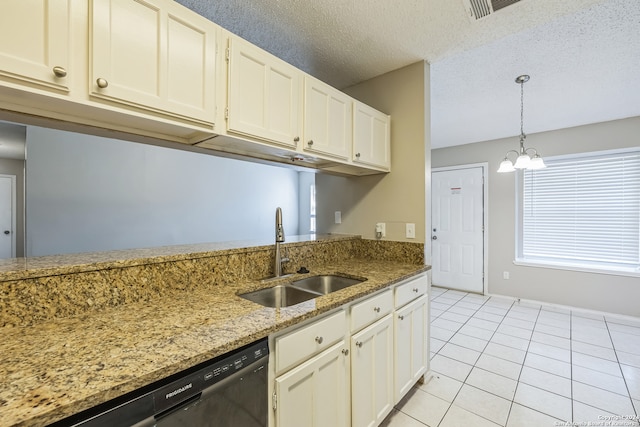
{"points": [[274, 400], [226, 113], [227, 54]]}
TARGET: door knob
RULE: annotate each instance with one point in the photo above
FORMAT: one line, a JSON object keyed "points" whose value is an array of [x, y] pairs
{"points": [[434, 238], [7, 232]]}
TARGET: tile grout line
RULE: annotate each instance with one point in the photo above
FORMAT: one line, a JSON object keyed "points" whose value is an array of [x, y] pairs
{"points": [[464, 382], [624, 378], [513, 399]]}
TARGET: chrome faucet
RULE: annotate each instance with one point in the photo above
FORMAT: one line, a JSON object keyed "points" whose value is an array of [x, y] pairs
{"points": [[277, 267]]}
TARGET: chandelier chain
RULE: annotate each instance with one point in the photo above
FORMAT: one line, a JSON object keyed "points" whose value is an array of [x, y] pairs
{"points": [[522, 109]]}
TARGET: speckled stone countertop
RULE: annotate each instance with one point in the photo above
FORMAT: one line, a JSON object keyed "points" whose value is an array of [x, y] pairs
{"points": [[25, 268], [54, 369]]}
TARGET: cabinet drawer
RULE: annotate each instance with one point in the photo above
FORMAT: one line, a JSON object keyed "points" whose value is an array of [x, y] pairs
{"points": [[411, 290], [297, 346], [367, 312]]}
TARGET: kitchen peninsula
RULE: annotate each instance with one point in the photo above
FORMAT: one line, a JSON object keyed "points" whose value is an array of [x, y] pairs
{"points": [[79, 330]]}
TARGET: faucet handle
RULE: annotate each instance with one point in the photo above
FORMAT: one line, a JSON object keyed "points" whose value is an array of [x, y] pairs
{"points": [[285, 259]]}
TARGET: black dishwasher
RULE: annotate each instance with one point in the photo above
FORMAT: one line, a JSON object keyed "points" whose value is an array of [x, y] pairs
{"points": [[230, 391]]}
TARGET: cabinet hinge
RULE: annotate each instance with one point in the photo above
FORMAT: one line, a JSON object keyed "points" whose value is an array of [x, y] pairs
{"points": [[226, 113], [227, 54], [274, 400]]}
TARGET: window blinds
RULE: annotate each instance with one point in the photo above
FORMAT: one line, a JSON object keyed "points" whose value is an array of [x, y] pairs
{"points": [[583, 210]]}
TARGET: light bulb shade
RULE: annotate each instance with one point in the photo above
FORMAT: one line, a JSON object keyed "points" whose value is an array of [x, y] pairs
{"points": [[506, 166], [522, 162], [537, 163]]}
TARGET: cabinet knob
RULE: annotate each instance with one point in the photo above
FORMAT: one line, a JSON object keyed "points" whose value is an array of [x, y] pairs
{"points": [[358, 155], [415, 290], [345, 351], [376, 309], [7, 232], [102, 83], [319, 340], [296, 139], [59, 71], [401, 317], [310, 143], [359, 344]]}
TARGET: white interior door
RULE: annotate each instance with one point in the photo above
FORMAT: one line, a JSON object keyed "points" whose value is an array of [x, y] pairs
{"points": [[7, 215], [457, 238]]}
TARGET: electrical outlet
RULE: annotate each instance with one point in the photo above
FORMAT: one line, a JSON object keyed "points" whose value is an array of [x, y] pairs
{"points": [[410, 230], [505, 275], [338, 217], [381, 230]]}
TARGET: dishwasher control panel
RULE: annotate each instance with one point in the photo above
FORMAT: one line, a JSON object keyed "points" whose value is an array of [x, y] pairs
{"points": [[190, 386]]}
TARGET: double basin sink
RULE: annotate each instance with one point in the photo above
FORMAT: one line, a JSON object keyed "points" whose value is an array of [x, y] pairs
{"points": [[300, 290]]}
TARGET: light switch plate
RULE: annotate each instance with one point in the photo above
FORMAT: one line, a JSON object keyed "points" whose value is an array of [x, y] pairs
{"points": [[410, 230], [338, 217]]}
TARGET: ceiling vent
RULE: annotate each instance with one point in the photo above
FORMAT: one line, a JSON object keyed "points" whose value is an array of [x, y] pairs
{"points": [[479, 9]]}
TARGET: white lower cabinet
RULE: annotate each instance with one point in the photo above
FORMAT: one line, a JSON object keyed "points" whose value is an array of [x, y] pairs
{"points": [[350, 367], [410, 345], [315, 393], [372, 373]]}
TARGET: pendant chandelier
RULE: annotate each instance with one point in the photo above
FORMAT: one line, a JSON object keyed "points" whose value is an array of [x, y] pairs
{"points": [[523, 159]]}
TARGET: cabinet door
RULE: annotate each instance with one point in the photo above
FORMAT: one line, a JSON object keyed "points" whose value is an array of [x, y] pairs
{"points": [[155, 55], [316, 393], [328, 119], [372, 373], [264, 95], [411, 349], [34, 42], [371, 136]]}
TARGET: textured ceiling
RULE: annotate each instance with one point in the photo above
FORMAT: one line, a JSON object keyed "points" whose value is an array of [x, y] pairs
{"points": [[582, 55]]}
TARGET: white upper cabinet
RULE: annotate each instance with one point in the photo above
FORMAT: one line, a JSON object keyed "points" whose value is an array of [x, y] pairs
{"points": [[264, 95], [371, 137], [155, 55], [34, 42], [327, 120]]}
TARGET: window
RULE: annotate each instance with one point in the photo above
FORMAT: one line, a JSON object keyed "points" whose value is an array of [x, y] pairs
{"points": [[582, 212]]}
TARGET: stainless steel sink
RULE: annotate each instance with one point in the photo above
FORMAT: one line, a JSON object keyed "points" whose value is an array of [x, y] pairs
{"points": [[325, 284], [279, 296]]}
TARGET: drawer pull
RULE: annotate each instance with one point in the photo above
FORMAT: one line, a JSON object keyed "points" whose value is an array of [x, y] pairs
{"points": [[359, 344], [345, 351], [376, 309], [319, 340], [401, 317], [415, 290]]}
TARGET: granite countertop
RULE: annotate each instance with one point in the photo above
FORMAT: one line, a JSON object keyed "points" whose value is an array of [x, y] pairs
{"points": [[57, 368], [25, 268]]}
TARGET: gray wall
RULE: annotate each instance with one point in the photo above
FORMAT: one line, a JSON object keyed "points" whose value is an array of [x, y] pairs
{"points": [[87, 193], [610, 293]]}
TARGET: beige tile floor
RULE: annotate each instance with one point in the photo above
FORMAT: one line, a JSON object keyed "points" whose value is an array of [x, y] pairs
{"points": [[497, 362]]}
